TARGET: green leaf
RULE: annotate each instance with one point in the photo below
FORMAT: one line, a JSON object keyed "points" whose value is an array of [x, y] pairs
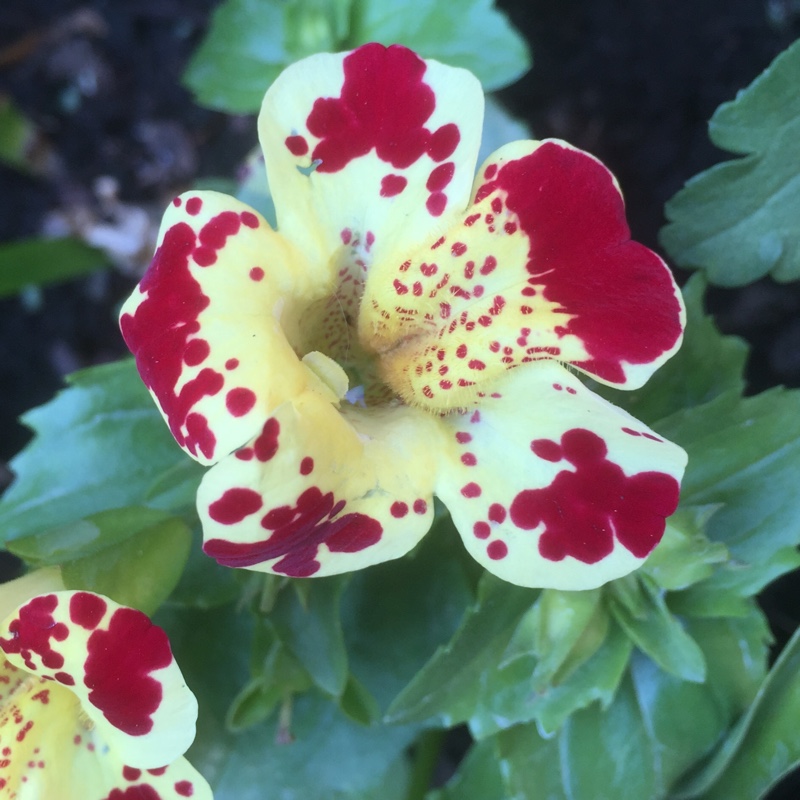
{"points": [[448, 686], [139, 571], [656, 728], [551, 629], [472, 34], [312, 630], [395, 615], [531, 765], [685, 555], [204, 583], [250, 42], [507, 696], [707, 365], [660, 635], [738, 220], [36, 262], [743, 455], [17, 135], [329, 757], [764, 744], [729, 590], [85, 537], [478, 776], [100, 444]]}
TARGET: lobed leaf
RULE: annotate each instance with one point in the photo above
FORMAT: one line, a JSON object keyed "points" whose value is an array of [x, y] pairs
{"points": [[738, 220]]}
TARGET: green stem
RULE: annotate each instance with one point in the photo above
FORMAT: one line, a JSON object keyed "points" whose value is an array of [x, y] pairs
{"points": [[426, 757]]}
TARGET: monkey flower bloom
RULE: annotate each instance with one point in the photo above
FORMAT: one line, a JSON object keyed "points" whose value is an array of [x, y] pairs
{"points": [[92, 703], [408, 332]]}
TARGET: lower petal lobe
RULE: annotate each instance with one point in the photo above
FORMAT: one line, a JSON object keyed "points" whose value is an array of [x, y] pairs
{"points": [[551, 486]]}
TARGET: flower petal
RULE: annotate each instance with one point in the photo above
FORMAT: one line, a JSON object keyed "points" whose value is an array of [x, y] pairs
{"points": [[322, 491], [542, 266], [550, 485], [49, 750], [117, 663], [369, 148], [208, 324]]}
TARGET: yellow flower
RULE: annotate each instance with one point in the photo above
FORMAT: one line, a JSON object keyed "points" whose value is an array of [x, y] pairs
{"points": [[92, 703], [408, 332]]}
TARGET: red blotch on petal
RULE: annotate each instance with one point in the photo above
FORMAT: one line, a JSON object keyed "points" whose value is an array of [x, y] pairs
{"points": [[194, 206], [307, 466], [384, 105], [86, 609], [496, 550], [118, 670], [581, 510], [256, 274], [297, 533], [574, 217], [33, 629]]}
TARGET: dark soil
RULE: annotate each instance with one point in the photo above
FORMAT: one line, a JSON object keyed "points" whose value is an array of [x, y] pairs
{"points": [[633, 81]]}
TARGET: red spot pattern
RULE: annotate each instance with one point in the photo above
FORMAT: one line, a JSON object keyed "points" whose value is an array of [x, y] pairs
{"points": [[142, 792], [131, 773], [118, 666], [32, 631], [87, 609], [297, 533], [582, 510], [159, 335], [621, 294], [184, 788]]}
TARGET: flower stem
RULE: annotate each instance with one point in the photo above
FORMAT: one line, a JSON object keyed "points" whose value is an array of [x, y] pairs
{"points": [[426, 757]]}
